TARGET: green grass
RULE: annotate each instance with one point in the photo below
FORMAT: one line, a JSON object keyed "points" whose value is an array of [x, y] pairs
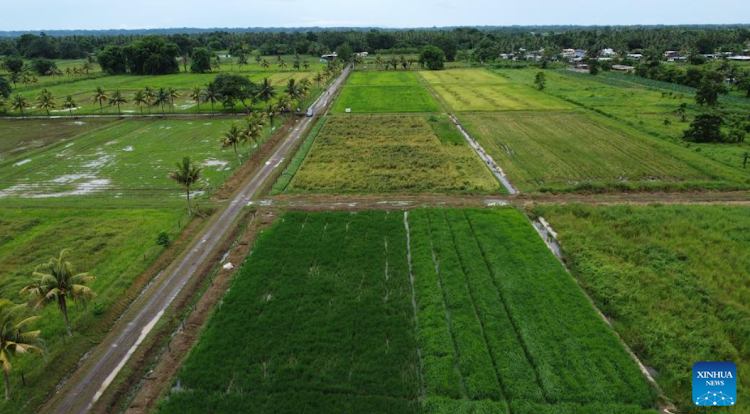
{"points": [[113, 245], [643, 104], [126, 161], [320, 319], [673, 279], [389, 154], [462, 77], [543, 151], [384, 92]]}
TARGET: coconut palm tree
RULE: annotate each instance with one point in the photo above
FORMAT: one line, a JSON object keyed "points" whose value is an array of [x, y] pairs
{"points": [[15, 338], [378, 61], [117, 99], [86, 67], [46, 101], [304, 86], [241, 60], [282, 63], [284, 104], [150, 97], [292, 89], [264, 64], [197, 95], [265, 90], [216, 64], [257, 58], [139, 98], [272, 111], [100, 96], [162, 98], [187, 174], [19, 103], [233, 138], [305, 65], [54, 281], [69, 104], [318, 78], [210, 94], [172, 96], [254, 129]]}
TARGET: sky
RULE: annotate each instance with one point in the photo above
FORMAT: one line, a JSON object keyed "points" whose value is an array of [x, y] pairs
{"points": [[146, 14]]}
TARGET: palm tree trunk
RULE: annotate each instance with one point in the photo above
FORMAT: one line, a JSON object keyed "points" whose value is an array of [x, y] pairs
{"points": [[118, 110], [64, 309], [7, 385], [187, 191], [239, 160], [101, 107]]}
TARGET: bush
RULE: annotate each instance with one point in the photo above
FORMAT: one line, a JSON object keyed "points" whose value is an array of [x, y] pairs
{"points": [[42, 66], [163, 239]]}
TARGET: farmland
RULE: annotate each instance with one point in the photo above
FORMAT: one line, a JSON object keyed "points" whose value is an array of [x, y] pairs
{"points": [[113, 245], [543, 151], [20, 137], [477, 90], [647, 105], [390, 154], [126, 162], [673, 279], [384, 92], [321, 318]]}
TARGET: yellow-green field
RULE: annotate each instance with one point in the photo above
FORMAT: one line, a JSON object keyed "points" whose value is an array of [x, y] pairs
{"points": [[557, 150], [390, 154]]}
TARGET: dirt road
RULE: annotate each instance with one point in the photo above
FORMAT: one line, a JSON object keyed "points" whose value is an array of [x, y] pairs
{"points": [[94, 376]]}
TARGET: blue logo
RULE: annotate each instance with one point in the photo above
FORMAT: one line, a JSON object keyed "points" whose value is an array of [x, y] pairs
{"points": [[715, 383]]}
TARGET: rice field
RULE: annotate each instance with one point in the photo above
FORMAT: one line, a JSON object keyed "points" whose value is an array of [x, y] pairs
{"points": [[435, 311], [560, 151], [673, 280], [125, 161], [649, 106], [21, 136], [361, 154], [384, 92], [477, 90]]}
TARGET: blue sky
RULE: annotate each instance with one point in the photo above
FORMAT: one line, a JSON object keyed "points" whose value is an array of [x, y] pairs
{"points": [[136, 14]]}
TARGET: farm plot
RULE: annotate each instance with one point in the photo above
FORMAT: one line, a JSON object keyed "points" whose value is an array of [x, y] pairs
{"points": [[673, 279], [125, 160], [391, 154], [500, 321], [319, 319], [384, 92], [576, 151], [479, 90], [652, 107], [18, 137], [114, 245]]}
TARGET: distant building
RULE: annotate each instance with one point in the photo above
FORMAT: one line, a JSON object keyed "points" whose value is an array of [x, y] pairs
{"points": [[579, 53], [329, 57], [224, 56], [739, 58], [566, 53], [363, 54], [604, 59], [635, 56], [623, 68], [607, 52]]}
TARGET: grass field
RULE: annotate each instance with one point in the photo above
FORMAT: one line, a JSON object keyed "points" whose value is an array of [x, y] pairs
{"points": [[321, 318], [114, 245], [647, 105], [384, 92], [128, 160], [479, 90], [390, 154], [542, 151], [674, 280]]}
